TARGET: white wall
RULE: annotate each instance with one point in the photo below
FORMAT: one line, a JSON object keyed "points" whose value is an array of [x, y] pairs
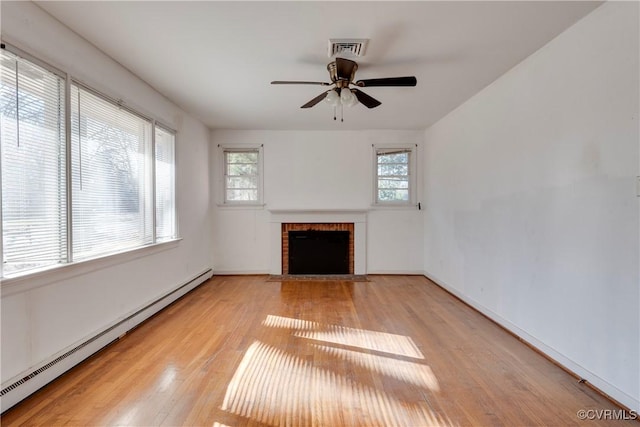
{"points": [[314, 170], [44, 315], [531, 207]]}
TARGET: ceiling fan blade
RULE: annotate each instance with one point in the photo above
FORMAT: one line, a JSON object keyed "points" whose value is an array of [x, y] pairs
{"points": [[315, 100], [365, 99], [292, 82], [388, 81]]}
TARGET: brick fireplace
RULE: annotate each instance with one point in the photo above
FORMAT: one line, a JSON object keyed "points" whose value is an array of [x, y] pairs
{"points": [[284, 220], [342, 226]]}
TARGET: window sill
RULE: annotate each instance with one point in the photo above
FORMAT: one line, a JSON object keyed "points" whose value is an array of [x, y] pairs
{"points": [[399, 207], [47, 275], [250, 206]]}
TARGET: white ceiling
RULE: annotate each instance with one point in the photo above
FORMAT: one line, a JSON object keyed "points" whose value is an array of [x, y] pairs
{"points": [[216, 59]]}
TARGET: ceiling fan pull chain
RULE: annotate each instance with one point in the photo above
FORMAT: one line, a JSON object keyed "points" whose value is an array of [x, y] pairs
{"points": [[334, 113], [341, 113]]}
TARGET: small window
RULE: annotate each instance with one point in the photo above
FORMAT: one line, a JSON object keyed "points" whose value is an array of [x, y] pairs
{"points": [[394, 182], [242, 175]]}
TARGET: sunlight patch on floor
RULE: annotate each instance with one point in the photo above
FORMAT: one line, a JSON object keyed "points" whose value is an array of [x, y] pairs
{"points": [[276, 388], [289, 323], [408, 372], [399, 345]]}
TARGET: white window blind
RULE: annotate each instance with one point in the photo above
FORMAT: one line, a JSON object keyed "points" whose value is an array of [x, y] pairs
{"points": [[393, 167], [241, 175], [111, 176], [165, 185], [106, 158], [32, 145]]}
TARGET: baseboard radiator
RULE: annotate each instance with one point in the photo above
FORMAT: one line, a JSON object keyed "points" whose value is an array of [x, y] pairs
{"points": [[31, 382]]}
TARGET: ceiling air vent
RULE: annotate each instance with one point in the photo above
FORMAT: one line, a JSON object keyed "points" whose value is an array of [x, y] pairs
{"points": [[347, 47]]}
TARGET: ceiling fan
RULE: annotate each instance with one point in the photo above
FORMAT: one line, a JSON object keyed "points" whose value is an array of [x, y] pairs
{"points": [[342, 72]]}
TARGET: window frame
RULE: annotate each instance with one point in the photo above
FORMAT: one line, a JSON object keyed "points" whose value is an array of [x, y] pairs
{"points": [[66, 181], [412, 149], [176, 232], [105, 106], [62, 232], [223, 149]]}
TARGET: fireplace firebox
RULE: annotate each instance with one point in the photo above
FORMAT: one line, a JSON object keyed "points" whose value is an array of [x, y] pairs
{"points": [[318, 252], [317, 248]]}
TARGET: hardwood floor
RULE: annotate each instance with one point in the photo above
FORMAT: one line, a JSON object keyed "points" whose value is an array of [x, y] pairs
{"points": [[242, 350]]}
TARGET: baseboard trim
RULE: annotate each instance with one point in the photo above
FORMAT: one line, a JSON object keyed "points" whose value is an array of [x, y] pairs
{"points": [[27, 383], [602, 386], [241, 273], [396, 272]]}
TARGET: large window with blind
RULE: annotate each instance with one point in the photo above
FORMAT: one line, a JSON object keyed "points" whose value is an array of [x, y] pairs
{"points": [[82, 177], [111, 165], [33, 156]]}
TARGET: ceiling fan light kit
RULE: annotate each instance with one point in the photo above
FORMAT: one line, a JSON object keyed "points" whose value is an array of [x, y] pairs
{"points": [[347, 98], [340, 97], [342, 73], [332, 98]]}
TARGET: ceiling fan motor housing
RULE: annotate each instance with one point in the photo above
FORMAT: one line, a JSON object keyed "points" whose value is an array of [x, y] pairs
{"points": [[342, 72]]}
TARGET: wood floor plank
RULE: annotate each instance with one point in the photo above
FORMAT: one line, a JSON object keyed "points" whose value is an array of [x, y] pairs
{"points": [[248, 351]]}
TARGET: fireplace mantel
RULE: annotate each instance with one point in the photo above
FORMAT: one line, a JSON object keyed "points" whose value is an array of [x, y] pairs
{"points": [[318, 215], [292, 215], [303, 210]]}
